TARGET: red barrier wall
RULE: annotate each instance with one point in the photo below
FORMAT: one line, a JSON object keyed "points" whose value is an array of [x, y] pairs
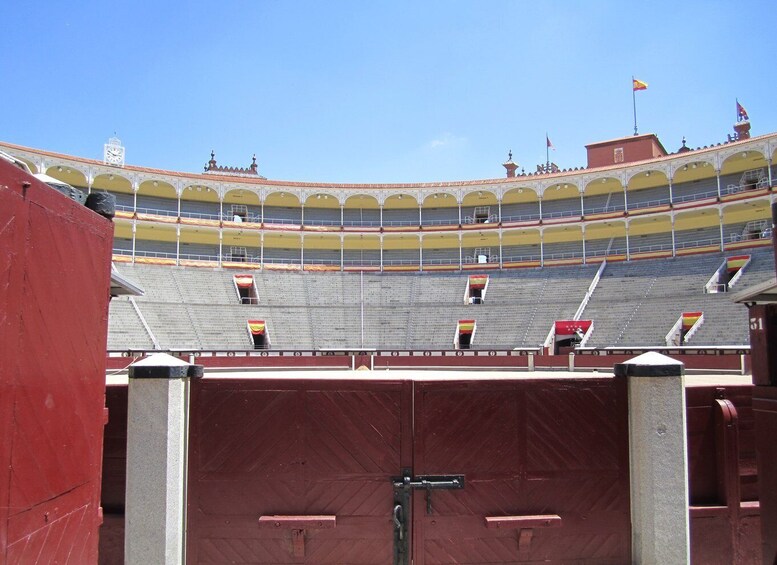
{"points": [[54, 291]]}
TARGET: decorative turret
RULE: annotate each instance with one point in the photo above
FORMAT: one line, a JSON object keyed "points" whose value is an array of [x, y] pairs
{"points": [[251, 171], [684, 148], [742, 131], [510, 165]]}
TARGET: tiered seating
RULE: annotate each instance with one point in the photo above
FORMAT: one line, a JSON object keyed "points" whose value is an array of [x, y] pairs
{"points": [[636, 303], [125, 328]]}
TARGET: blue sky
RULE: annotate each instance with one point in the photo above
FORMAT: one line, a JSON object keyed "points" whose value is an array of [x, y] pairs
{"points": [[379, 91]]}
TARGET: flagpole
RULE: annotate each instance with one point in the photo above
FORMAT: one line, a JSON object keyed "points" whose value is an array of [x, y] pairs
{"points": [[547, 152], [634, 101]]}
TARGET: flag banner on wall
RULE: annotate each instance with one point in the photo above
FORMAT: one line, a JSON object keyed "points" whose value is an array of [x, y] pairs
{"points": [[735, 263], [690, 318], [256, 327], [571, 327], [244, 281], [466, 326], [478, 281], [638, 85]]}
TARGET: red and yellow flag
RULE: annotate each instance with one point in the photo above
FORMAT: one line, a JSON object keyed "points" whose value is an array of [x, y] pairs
{"points": [[689, 319], [737, 262], [638, 85], [256, 327], [466, 326], [478, 281], [244, 281]]}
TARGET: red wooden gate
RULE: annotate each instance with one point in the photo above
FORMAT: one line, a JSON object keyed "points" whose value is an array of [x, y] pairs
{"points": [[54, 286], [307, 471]]}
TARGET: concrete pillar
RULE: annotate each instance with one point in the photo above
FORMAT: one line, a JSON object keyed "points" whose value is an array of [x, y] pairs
{"points": [[658, 459], [157, 432]]}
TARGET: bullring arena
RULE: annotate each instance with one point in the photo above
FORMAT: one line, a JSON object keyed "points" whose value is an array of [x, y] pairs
{"points": [[427, 373]]}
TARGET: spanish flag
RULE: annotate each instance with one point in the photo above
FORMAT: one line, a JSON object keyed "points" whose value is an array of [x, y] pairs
{"points": [[466, 326], [690, 318], [733, 264], [638, 85], [478, 281], [256, 327]]}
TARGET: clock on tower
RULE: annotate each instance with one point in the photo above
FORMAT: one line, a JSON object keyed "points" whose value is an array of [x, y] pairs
{"points": [[113, 153]]}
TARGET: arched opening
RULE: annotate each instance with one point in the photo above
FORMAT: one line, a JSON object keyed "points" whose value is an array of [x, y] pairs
{"points": [[282, 208], [648, 189], [241, 246], [282, 250], [401, 252], [321, 251], [361, 252], [605, 240], [562, 245], [697, 228], [361, 210], [400, 210], [480, 207], [241, 206], [440, 251], [603, 195], [440, 209], [322, 209], [747, 221], [157, 198], [650, 236], [521, 248], [744, 171], [694, 181], [199, 202], [561, 200], [480, 249]]}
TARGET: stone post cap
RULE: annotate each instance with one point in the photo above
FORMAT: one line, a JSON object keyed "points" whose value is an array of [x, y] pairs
{"points": [[650, 364], [164, 366]]}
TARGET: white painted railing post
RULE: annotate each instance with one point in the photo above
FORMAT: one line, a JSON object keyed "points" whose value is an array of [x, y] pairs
{"points": [[157, 432], [657, 459]]}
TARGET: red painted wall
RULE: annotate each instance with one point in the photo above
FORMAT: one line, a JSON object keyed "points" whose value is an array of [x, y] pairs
{"points": [[635, 148], [54, 291]]}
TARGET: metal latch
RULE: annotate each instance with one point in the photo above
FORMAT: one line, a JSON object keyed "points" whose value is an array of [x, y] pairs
{"points": [[428, 483], [401, 510]]}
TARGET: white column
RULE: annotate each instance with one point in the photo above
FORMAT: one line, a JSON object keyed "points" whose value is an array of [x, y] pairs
{"points": [[134, 236], [221, 245], [674, 246], [178, 244], [461, 254], [501, 261], [657, 459], [720, 217], [717, 178], [157, 432], [628, 251], [421, 252]]}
